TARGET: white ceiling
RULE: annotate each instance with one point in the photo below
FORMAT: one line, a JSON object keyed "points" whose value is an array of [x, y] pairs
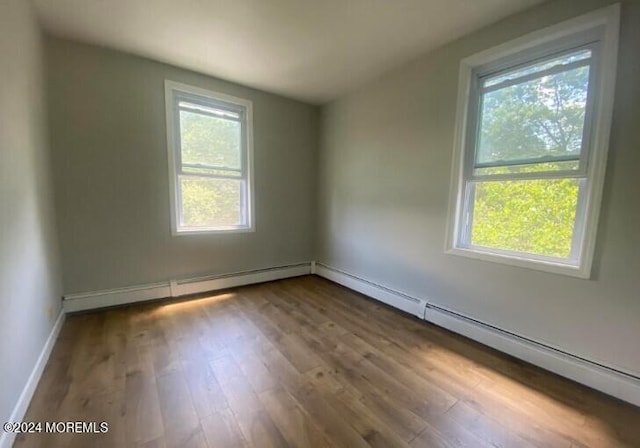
{"points": [[313, 50]]}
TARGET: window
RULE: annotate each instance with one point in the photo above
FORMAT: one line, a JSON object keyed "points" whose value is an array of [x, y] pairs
{"points": [[209, 140], [531, 141]]}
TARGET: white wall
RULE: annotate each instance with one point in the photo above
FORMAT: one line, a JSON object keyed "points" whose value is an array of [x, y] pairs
{"points": [[385, 165], [29, 279]]}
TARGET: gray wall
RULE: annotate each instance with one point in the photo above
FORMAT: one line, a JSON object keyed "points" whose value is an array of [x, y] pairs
{"points": [[29, 277], [385, 165], [108, 137]]}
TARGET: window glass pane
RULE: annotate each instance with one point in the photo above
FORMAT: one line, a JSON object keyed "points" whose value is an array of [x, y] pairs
{"points": [[209, 140], [535, 68], [532, 216], [542, 118], [210, 202]]}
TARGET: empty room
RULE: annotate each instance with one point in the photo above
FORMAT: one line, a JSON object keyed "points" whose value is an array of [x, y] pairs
{"points": [[340, 223]]}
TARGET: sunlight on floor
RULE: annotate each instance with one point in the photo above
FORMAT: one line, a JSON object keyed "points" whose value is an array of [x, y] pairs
{"points": [[185, 305], [530, 397]]}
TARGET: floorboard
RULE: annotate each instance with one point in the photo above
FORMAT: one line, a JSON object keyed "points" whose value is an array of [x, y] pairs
{"points": [[304, 362]]}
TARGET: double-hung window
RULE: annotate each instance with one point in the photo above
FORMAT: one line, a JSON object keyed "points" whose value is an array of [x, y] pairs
{"points": [[209, 143], [531, 143]]}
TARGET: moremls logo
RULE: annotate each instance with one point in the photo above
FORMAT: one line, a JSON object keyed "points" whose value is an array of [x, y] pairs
{"points": [[77, 427]]}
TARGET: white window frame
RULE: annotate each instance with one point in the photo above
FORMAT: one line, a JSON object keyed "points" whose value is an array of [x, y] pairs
{"points": [[602, 26], [173, 92]]}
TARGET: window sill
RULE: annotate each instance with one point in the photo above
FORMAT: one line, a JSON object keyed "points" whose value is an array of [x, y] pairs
{"points": [[571, 270], [211, 230]]}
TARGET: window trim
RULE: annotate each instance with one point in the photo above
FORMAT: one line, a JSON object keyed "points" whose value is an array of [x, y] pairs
{"points": [[604, 23], [173, 90]]}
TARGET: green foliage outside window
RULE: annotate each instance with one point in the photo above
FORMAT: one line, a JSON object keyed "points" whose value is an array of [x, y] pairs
{"points": [[210, 202], [533, 216]]}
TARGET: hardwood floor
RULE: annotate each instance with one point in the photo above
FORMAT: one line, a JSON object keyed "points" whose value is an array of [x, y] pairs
{"points": [[306, 363]]}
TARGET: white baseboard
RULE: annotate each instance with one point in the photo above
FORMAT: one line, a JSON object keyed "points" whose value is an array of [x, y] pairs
{"points": [[396, 299], [177, 288], [20, 409], [113, 297], [197, 285], [622, 385]]}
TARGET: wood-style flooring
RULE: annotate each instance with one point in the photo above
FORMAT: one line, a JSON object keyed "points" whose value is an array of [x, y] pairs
{"points": [[304, 362]]}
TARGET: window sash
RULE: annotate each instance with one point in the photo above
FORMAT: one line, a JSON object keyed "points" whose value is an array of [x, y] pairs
{"points": [[560, 174], [244, 211], [532, 161], [178, 137], [474, 113], [466, 220]]}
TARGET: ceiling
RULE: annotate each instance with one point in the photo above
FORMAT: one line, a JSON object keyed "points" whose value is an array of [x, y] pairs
{"points": [[312, 50]]}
